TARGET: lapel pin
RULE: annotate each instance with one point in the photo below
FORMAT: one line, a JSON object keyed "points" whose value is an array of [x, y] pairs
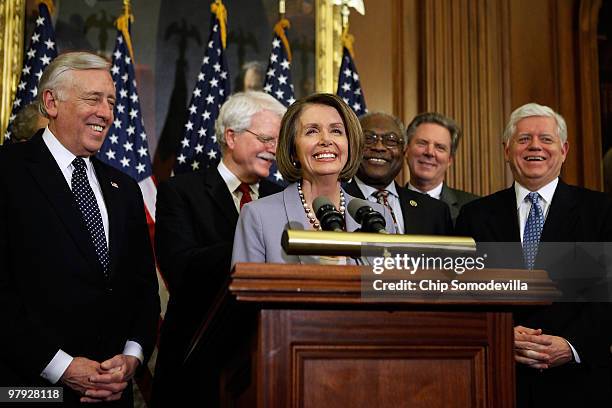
{"points": [[114, 184], [413, 203]]}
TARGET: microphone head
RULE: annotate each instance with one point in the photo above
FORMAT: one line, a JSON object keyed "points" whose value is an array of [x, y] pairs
{"points": [[319, 202], [355, 208], [328, 216]]}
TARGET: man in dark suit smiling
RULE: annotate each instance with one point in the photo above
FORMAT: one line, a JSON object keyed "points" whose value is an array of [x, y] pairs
{"points": [[383, 156], [78, 292], [562, 351]]}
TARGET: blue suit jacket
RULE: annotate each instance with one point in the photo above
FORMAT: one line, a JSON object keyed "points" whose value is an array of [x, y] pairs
{"points": [[262, 222]]}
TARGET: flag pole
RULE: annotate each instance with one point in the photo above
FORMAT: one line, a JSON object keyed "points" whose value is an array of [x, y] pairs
{"points": [[49, 4], [123, 24], [345, 12], [281, 9], [347, 39], [221, 12], [281, 25]]}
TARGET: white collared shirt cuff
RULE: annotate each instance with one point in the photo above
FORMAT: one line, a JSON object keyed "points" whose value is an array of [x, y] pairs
{"points": [[56, 367], [575, 353], [132, 348]]}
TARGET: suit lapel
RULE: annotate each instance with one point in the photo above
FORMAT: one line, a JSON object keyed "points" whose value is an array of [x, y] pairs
{"points": [[561, 216], [353, 189], [450, 198], [503, 220], [220, 195], [46, 173], [411, 220]]}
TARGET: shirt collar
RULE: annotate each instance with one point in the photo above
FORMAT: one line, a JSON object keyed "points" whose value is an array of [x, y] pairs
{"points": [[62, 156], [435, 192], [545, 192], [369, 190], [232, 181]]}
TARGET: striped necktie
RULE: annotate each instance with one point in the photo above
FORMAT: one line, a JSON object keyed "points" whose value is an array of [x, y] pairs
{"points": [[382, 196]]}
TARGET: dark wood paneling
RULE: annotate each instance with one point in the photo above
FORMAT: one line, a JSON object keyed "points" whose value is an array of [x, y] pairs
{"points": [[463, 77], [400, 358], [413, 377], [477, 60]]}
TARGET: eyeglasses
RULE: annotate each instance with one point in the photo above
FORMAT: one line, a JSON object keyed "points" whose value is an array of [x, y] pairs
{"points": [[388, 139], [266, 140]]}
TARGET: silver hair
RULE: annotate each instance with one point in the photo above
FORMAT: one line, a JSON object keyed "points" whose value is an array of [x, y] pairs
{"points": [[533, 109], [237, 112], [57, 75], [397, 121], [257, 66]]}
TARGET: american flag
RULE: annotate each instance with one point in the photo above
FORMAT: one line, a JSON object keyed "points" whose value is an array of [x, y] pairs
{"points": [[278, 75], [199, 148], [41, 52], [126, 149], [278, 79], [349, 88]]}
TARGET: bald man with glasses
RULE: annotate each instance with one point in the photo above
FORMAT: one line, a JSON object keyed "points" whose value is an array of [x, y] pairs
{"points": [[383, 157]]}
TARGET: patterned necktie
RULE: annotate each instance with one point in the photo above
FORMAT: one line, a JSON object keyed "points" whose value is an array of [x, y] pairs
{"points": [[86, 201], [245, 189], [533, 230], [382, 196]]}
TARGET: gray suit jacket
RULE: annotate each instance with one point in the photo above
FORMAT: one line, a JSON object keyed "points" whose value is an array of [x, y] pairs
{"points": [[262, 222], [455, 199]]}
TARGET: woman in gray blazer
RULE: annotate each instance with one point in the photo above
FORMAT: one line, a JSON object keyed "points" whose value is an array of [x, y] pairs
{"points": [[319, 146]]}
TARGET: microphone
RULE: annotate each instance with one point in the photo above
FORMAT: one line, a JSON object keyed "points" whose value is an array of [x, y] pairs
{"points": [[370, 219], [328, 216]]}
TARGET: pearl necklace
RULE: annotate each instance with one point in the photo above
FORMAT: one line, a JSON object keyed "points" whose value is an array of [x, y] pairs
{"points": [[310, 214]]}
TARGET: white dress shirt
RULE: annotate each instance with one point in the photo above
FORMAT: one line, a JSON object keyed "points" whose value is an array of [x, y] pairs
{"points": [[232, 182], [435, 192], [392, 198], [64, 158]]}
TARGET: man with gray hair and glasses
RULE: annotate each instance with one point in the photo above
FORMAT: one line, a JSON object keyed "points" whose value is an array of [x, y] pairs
{"points": [[433, 140], [383, 157], [79, 298], [562, 351], [196, 219]]}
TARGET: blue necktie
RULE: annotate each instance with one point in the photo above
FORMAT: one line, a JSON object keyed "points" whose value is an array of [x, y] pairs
{"points": [[86, 200], [533, 230]]}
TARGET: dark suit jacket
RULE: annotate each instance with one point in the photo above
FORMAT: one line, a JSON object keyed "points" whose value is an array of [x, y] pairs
{"points": [[196, 221], [53, 293], [428, 217], [575, 215], [455, 199]]}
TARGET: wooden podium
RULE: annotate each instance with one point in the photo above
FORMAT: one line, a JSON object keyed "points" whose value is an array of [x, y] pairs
{"points": [[281, 336]]}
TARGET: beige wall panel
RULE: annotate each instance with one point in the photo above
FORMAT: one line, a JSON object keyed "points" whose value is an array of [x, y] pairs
{"points": [[463, 76], [532, 51], [373, 53]]}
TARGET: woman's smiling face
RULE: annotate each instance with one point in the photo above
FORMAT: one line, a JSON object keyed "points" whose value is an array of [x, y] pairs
{"points": [[321, 143]]}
